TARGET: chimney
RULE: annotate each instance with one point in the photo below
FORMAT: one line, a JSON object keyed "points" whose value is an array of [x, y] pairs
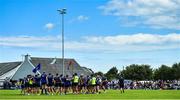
{"points": [[27, 57]]}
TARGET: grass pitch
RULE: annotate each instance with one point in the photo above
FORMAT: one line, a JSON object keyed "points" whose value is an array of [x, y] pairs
{"points": [[110, 94]]}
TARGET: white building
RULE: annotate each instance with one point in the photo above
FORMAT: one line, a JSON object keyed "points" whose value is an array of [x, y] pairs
{"points": [[17, 70]]}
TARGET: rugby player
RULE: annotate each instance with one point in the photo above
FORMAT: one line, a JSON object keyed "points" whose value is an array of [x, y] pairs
{"points": [[44, 83], [50, 83], [57, 83], [93, 84], [82, 84], [121, 84], [62, 80], [67, 84], [37, 84], [75, 83], [98, 84], [22, 83]]}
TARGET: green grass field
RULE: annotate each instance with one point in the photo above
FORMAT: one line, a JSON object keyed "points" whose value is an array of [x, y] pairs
{"points": [[110, 94]]}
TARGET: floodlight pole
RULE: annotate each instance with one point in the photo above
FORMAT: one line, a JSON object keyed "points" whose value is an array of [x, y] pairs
{"points": [[62, 12]]}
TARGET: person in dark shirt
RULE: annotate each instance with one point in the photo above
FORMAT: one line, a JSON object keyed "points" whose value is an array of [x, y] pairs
{"points": [[50, 83], [57, 83], [98, 84], [121, 84], [82, 84], [44, 83], [22, 82], [37, 84], [88, 84], [26, 79], [85, 84], [104, 83], [62, 80], [67, 84]]}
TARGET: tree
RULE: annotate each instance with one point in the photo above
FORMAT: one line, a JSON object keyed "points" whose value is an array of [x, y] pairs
{"points": [[176, 70], [112, 73], [138, 72], [99, 73], [164, 73]]}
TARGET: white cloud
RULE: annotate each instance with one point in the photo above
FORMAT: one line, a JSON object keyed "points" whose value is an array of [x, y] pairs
{"points": [[115, 44], [139, 38], [49, 26], [82, 18], [28, 41], [155, 13]]}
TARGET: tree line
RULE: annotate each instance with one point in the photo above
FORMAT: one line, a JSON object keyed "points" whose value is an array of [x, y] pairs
{"points": [[144, 72]]}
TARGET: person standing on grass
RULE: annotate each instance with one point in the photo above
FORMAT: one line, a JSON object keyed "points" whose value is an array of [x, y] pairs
{"points": [[87, 84], [98, 84], [93, 84], [26, 85], [44, 83], [121, 84], [57, 83], [104, 84], [61, 84], [82, 84], [67, 84], [75, 83], [22, 83], [37, 79], [30, 84], [50, 83]]}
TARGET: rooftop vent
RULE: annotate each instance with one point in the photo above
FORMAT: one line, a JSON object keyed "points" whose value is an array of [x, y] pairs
{"points": [[54, 61]]}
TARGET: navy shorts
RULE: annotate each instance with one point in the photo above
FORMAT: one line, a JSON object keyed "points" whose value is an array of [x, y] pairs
{"points": [[57, 84], [50, 84], [37, 85], [43, 83], [75, 84], [22, 86], [31, 85], [26, 85], [67, 85], [121, 85]]}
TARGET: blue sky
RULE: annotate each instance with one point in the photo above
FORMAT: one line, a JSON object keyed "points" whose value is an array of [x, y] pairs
{"points": [[99, 34]]}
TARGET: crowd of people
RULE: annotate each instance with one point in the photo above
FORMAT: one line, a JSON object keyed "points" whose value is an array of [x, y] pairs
{"points": [[59, 84], [49, 84], [146, 85], [154, 85]]}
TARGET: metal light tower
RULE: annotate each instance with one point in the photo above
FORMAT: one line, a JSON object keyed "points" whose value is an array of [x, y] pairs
{"points": [[62, 12]]}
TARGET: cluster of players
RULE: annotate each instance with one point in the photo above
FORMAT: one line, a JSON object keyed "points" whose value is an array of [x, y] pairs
{"points": [[59, 84]]}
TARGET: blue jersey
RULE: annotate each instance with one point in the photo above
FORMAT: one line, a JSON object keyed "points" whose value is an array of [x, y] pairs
{"points": [[37, 79], [63, 79], [50, 79], [43, 78], [67, 81], [87, 80], [26, 80], [57, 79]]}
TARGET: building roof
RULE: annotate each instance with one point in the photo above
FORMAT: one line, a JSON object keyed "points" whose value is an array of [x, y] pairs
{"points": [[8, 66], [54, 65], [48, 65]]}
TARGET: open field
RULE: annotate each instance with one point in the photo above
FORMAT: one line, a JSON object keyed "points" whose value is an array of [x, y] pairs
{"points": [[110, 94]]}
